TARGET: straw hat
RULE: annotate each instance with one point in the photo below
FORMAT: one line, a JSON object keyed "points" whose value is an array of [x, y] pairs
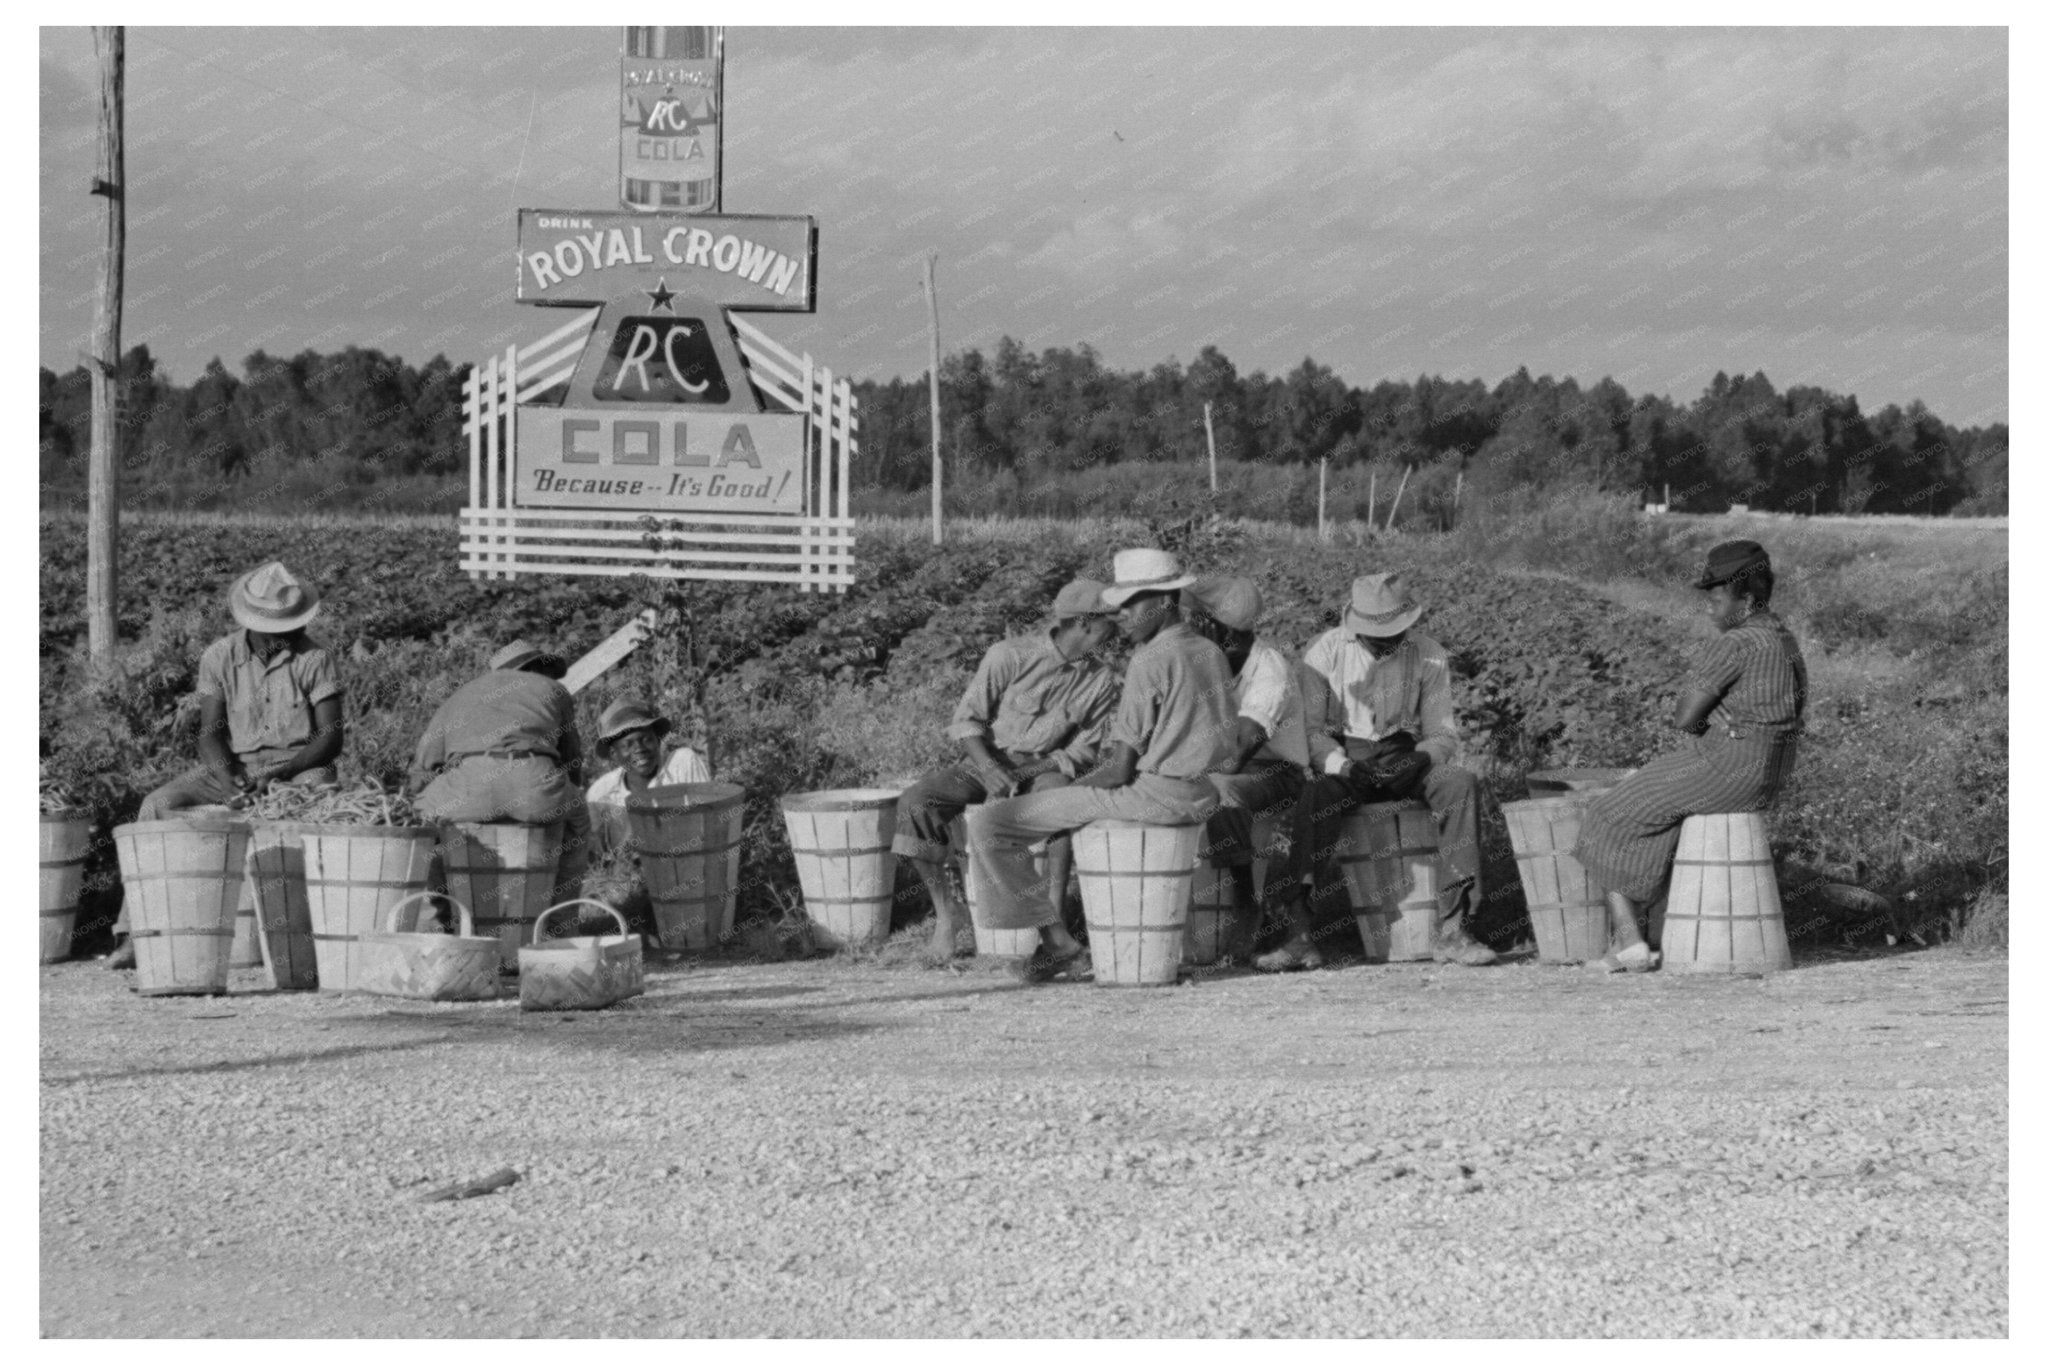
{"points": [[520, 654], [624, 717], [1144, 571], [1381, 605], [1232, 602], [272, 601]]}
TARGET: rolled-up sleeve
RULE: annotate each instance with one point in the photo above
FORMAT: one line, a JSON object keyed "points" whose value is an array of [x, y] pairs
{"points": [[1137, 716], [1320, 710], [1439, 738], [213, 671], [320, 678], [976, 710], [1266, 683], [1091, 731]]}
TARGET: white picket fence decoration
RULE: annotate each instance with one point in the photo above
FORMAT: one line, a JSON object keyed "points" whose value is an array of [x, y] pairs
{"points": [[813, 550]]}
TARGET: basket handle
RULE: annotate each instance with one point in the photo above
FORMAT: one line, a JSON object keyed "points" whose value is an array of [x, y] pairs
{"points": [[542, 918], [467, 929]]}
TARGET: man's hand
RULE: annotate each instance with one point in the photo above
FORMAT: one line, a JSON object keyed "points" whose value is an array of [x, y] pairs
{"points": [[998, 780]]}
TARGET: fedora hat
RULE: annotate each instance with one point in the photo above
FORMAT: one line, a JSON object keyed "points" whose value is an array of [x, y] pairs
{"points": [[272, 601], [520, 654], [1381, 605], [1082, 597], [1731, 560], [1232, 602], [1144, 571], [624, 717]]}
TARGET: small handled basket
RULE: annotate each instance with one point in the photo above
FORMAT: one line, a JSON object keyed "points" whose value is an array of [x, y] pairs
{"points": [[587, 972], [458, 966]]}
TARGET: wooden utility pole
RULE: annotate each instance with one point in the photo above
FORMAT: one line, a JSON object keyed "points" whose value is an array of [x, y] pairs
{"points": [[931, 293], [1322, 499], [1209, 426], [1372, 496], [1391, 511], [1457, 493], [103, 477]]}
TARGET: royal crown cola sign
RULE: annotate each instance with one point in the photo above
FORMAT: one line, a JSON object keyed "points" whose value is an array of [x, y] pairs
{"points": [[671, 101]]}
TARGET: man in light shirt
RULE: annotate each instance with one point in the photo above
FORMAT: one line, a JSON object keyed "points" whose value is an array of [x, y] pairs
{"points": [[1382, 730], [1269, 757], [1174, 726], [1032, 720]]}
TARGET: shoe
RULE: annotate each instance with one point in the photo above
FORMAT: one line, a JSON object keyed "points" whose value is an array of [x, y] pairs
{"points": [[1637, 957], [1045, 963], [1289, 958], [122, 959], [1459, 947]]}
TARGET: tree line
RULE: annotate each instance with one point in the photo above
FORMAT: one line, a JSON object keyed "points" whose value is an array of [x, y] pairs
{"points": [[362, 417]]}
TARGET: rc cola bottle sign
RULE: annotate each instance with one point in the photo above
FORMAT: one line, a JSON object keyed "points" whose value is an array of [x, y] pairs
{"points": [[671, 87]]}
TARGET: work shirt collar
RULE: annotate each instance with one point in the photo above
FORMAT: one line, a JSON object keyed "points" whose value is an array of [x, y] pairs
{"points": [[285, 651]]}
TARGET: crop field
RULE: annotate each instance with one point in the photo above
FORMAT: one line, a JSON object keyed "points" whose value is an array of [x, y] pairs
{"points": [[1568, 629]]}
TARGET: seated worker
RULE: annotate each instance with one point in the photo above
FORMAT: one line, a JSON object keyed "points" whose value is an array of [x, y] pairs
{"points": [[1174, 726], [269, 708], [631, 734], [1032, 719], [504, 747], [1266, 769], [1745, 704], [1384, 732]]}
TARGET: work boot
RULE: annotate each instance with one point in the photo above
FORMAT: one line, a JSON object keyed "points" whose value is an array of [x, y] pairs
{"points": [[122, 959], [1454, 944]]}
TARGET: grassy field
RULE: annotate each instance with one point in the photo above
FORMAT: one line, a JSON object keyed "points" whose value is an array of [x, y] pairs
{"points": [[1568, 619]]}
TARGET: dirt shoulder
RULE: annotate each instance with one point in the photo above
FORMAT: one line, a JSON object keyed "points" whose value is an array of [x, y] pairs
{"points": [[819, 1148]]}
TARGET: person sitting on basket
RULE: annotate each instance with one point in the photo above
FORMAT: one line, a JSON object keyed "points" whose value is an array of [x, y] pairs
{"points": [[630, 734], [1175, 725], [1745, 702], [269, 708], [1380, 729], [504, 747], [1266, 770], [1032, 720]]}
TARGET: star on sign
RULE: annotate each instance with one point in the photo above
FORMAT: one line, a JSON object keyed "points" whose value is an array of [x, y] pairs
{"points": [[661, 294]]}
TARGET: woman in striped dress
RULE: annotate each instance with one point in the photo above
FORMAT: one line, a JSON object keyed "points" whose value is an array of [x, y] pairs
{"points": [[1745, 701]]}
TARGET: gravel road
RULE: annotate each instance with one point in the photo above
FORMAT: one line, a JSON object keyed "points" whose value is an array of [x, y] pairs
{"points": [[825, 1148]]}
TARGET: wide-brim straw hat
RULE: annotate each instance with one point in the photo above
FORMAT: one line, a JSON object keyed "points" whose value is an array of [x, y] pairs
{"points": [[1232, 602], [1144, 571], [624, 717], [272, 601], [1730, 561], [1381, 605], [520, 654]]}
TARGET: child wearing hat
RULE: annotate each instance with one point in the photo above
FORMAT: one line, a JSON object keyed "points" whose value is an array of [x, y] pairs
{"points": [[269, 707], [1744, 704], [631, 734]]}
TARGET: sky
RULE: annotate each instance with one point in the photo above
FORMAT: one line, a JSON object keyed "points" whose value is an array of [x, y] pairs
{"points": [[1828, 206]]}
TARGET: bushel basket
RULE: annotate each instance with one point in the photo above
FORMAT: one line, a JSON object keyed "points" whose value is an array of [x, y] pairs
{"points": [[416, 966], [587, 972]]}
